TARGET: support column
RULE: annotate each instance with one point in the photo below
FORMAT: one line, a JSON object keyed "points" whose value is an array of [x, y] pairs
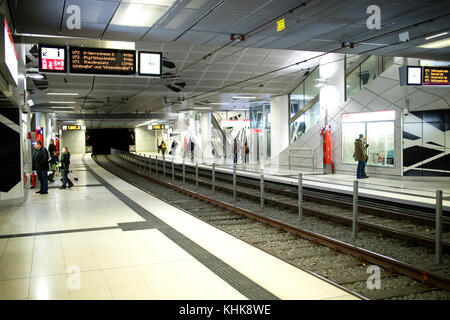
{"points": [[205, 123], [279, 126]]}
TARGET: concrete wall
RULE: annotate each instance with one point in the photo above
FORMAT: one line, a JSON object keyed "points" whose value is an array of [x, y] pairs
{"points": [[75, 141], [145, 140], [383, 93]]}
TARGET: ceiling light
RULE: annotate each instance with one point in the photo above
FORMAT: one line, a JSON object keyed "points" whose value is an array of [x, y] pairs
{"points": [[62, 94], [35, 76], [436, 35], [244, 97], [133, 14], [62, 102], [436, 44], [219, 103], [56, 107], [201, 108]]}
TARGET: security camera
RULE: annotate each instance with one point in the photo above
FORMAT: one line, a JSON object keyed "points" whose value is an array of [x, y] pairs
{"points": [[405, 112]]}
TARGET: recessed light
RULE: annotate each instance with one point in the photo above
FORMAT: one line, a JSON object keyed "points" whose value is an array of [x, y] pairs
{"points": [[62, 102], [35, 76], [140, 13], [57, 107], [436, 44], [244, 97], [62, 94], [201, 108], [219, 103], [436, 35]]}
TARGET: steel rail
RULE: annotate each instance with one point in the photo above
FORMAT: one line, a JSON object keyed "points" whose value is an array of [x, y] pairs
{"points": [[393, 265]]}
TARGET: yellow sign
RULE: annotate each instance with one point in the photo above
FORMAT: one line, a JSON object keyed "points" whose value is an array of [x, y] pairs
{"points": [[280, 25], [73, 127], [158, 127]]}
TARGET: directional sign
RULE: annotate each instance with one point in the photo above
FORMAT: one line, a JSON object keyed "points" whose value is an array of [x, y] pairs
{"points": [[52, 59], [280, 25]]}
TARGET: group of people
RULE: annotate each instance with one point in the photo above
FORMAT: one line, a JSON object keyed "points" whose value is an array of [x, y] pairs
{"points": [[235, 151], [162, 147], [44, 160]]}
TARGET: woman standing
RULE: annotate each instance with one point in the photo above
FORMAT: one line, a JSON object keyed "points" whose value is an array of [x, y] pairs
{"points": [[65, 163]]}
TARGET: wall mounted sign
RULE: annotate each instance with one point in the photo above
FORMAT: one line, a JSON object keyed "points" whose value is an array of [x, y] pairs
{"points": [[102, 61], [235, 123], [52, 59], [9, 61], [280, 25], [159, 127]]}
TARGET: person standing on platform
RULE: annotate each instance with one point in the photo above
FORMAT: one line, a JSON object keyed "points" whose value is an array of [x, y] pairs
{"points": [[174, 148], [65, 163], [40, 165], [360, 155], [53, 159], [163, 148], [192, 144], [235, 151], [246, 152]]}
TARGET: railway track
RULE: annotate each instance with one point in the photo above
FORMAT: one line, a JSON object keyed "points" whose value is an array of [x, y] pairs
{"points": [[340, 263], [406, 224]]}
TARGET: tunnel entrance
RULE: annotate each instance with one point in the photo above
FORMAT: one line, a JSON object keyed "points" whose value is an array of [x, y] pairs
{"points": [[102, 140]]}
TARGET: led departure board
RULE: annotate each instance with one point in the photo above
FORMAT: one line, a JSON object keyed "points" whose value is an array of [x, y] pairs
{"points": [[435, 75], [159, 127], [102, 61]]}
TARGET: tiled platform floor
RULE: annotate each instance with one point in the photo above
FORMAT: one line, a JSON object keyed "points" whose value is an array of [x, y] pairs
{"points": [[46, 240]]}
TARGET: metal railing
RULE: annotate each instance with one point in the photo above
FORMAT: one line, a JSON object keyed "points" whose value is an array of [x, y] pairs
{"points": [[301, 153]]}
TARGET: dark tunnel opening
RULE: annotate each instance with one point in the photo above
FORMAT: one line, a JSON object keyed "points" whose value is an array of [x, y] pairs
{"points": [[102, 140]]}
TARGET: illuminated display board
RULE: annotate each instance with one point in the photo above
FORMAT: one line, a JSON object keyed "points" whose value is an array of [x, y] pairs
{"points": [[150, 63], [158, 127], [52, 59], [102, 61], [74, 127], [435, 75], [414, 75], [9, 64]]}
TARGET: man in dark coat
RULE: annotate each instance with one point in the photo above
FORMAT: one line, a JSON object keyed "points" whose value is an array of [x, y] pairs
{"points": [[65, 163], [360, 155], [53, 159], [40, 164]]}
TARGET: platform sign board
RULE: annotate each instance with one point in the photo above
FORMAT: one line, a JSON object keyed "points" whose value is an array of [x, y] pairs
{"points": [[52, 59], [235, 123], [150, 63], [280, 25], [436, 76], [9, 61], [74, 127], [102, 61], [159, 127]]}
